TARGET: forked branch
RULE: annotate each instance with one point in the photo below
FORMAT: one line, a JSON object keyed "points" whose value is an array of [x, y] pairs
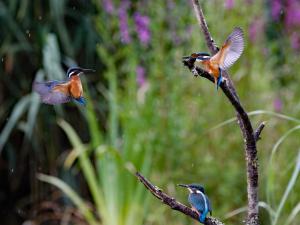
{"points": [[250, 138]]}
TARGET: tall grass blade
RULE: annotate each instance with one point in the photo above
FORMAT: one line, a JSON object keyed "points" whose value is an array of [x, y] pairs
{"points": [[288, 189], [244, 209], [52, 59], [19, 109], [293, 214], [82, 206], [85, 163], [254, 113], [111, 75], [32, 115], [95, 131], [281, 139], [269, 192], [57, 9]]}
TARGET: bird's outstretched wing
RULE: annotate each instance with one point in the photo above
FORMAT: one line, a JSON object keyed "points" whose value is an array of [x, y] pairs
{"points": [[53, 92], [231, 50]]}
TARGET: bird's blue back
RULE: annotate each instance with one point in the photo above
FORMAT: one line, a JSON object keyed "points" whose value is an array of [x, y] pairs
{"points": [[200, 202]]}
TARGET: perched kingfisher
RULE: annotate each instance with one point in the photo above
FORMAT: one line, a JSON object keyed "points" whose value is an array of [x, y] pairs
{"points": [[229, 53], [57, 92], [199, 201]]}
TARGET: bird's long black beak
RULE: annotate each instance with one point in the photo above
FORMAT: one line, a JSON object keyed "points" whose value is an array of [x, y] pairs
{"points": [[183, 185], [184, 58], [88, 70], [188, 61]]}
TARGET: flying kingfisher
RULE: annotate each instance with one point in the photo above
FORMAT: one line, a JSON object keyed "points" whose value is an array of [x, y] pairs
{"points": [[199, 201], [57, 92], [229, 53]]}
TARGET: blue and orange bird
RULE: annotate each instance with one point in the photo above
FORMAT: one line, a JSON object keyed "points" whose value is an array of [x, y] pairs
{"points": [[57, 92], [229, 53], [198, 200]]}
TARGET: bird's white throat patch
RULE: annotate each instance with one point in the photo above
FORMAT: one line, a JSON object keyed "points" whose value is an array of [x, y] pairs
{"points": [[198, 192]]}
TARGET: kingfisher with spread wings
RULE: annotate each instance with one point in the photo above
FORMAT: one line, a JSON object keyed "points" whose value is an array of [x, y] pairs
{"points": [[229, 53], [57, 92]]}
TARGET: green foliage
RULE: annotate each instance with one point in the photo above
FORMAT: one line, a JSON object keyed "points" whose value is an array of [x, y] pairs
{"points": [[79, 202]]}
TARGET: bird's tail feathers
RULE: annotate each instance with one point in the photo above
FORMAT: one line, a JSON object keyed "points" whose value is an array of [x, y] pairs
{"points": [[220, 79], [81, 100], [203, 216]]}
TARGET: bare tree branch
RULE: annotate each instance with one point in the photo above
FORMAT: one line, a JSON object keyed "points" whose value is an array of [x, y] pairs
{"points": [[175, 205], [250, 138], [202, 23], [259, 130], [244, 123]]}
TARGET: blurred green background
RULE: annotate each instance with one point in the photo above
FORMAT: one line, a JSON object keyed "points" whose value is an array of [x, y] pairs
{"points": [[70, 164]]}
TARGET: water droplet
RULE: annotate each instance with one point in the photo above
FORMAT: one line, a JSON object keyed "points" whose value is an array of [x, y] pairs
{"points": [[28, 33], [20, 212]]}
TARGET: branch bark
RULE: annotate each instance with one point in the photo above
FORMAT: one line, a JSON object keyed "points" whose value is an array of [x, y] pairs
{"points": [[243, 121], [173, 203], [259, 130]]}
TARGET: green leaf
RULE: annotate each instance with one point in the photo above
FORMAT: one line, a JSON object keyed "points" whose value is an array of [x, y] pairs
{"points": [[75, 198]]}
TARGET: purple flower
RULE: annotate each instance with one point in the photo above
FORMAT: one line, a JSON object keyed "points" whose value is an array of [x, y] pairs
{"points": [[108, 6], [123, 22], [255, 29], [277, 104], [292, 17], [295, 41], [142, 28], [276, 9], [140, 76], [229, 4]]}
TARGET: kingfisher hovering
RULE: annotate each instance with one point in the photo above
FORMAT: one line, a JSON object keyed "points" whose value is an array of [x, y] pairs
{"points": [[229, 53], [57, 92], [199, 201]]}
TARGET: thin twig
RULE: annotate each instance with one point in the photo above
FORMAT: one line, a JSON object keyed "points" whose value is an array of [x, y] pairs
{"points": [[244, 123], [259, 130], [175, 205], [202, 23]]}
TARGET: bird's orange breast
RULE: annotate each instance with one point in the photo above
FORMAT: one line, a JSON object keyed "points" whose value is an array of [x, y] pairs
{"points": [[75, 87], [211, 68]]}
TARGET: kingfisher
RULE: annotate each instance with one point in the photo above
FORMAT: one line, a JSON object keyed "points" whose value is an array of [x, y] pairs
{"points": [[57, 92], [199, 201], [229, 53]]}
